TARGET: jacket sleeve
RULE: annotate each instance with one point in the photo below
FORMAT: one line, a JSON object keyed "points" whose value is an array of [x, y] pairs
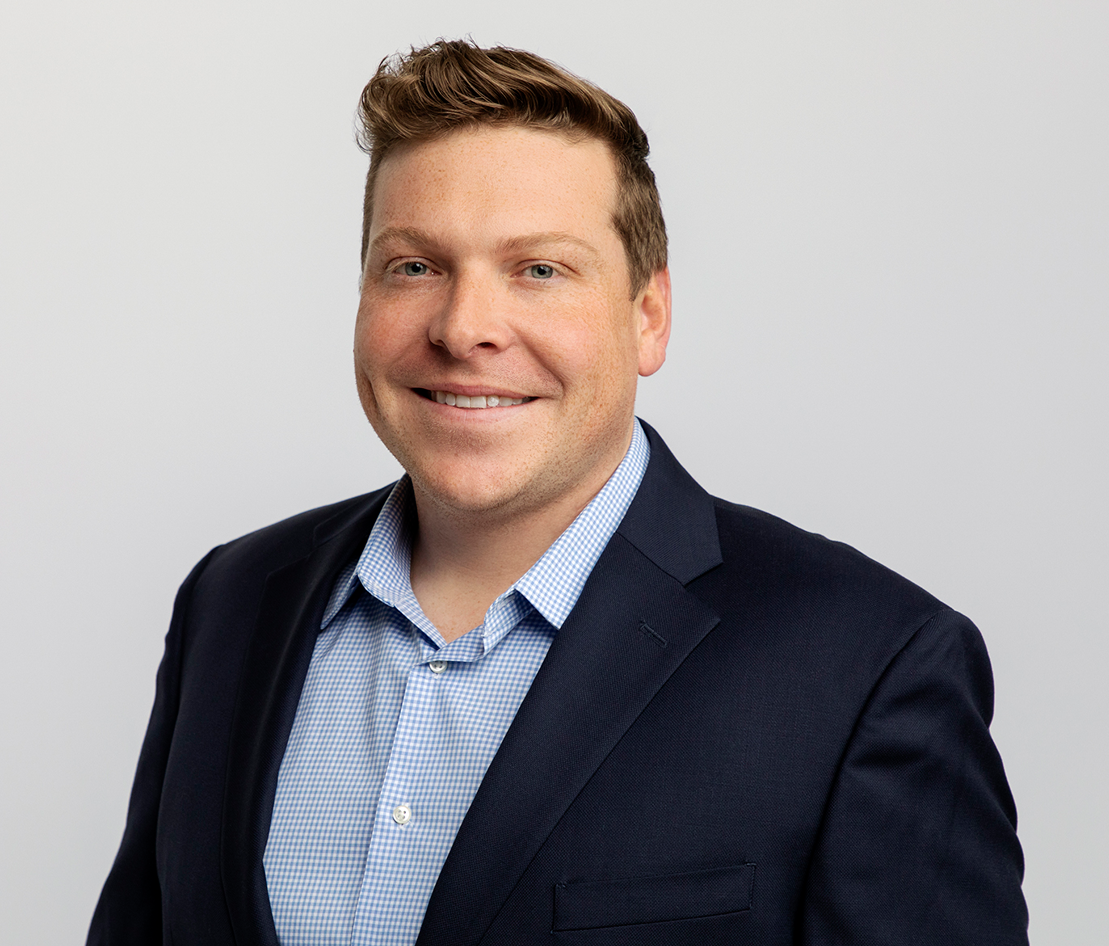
{"points": [[918, 841], [129, 912]]}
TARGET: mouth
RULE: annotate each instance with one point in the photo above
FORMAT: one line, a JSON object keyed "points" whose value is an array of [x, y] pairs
{"points": [[471, 401]]}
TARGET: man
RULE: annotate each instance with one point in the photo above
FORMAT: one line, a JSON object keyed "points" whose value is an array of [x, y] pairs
{"points": [[545, 688]]}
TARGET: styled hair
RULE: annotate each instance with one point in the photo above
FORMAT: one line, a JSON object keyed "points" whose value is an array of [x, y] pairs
{"points": [[454, 84]]}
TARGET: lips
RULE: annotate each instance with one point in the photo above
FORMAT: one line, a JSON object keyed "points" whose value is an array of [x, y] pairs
{"points": [[472, 401]]}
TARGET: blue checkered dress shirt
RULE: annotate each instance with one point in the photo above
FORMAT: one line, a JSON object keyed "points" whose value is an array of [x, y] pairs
{"points": [[395, 727]]}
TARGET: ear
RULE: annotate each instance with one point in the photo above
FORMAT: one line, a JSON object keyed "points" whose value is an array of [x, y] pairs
{"points": [[653, 306]]}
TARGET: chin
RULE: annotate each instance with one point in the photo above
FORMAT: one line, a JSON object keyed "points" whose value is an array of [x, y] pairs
{"points": [[467, 495]]}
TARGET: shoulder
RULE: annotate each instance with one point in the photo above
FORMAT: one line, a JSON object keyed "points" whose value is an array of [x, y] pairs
{"points": [[745, 561], [258, 553], [801, 593], [217, 606], [780, 553]]}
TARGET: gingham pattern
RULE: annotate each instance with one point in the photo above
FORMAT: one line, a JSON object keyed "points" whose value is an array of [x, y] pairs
{"points": [[377, 727]]}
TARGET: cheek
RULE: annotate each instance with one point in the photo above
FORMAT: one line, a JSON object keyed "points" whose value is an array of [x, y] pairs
{"points": [[378, 339], [602, 351], [363, 333], [592, 340]]}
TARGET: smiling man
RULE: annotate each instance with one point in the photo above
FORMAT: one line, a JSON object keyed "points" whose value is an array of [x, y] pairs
{"points": [[545, 688]]}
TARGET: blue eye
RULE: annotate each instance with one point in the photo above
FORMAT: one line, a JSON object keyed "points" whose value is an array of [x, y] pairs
{"points": [[414, 268], [541, 271]]}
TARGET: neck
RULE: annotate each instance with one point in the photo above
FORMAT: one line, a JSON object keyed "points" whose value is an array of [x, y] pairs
{"points": [[463, 559]]}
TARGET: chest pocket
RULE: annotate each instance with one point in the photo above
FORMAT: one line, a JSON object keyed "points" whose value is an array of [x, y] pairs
{"points": [[589, 905]]}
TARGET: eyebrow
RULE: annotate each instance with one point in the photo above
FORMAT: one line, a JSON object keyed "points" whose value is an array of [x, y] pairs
{"points": [[525, 241], [399, 235]]}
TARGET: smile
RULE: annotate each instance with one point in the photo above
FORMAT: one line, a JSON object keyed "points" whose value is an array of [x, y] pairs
{"points": [[473, 402]]}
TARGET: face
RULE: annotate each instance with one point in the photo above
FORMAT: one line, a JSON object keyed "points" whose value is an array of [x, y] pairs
{"points": [[497, 345]]}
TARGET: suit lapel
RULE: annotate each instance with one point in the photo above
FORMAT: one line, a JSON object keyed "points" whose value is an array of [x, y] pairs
{"points": [[632, 627], [274, 669]]}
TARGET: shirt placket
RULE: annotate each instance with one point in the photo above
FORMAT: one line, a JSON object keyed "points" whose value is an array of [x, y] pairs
{"points": [[397, 882]]}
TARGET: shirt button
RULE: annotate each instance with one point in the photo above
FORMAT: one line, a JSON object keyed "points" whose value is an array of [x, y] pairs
{"points": [[402, 814], [437, 666]]}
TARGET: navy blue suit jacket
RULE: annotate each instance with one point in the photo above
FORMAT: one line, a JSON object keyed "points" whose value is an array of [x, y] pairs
{"points": [[744, 733]]}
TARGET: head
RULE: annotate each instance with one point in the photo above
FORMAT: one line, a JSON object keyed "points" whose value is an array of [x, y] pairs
{"points": [[454, 85], [513, 285]]}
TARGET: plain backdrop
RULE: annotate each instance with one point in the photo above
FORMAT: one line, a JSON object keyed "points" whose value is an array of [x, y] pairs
{"points": [[890, 253]]}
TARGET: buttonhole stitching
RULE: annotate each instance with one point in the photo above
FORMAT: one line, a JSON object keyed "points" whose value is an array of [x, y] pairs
{"points": [[647, 631]]}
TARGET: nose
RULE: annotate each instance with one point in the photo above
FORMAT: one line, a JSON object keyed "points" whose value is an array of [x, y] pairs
{"points": [[472, 318]]}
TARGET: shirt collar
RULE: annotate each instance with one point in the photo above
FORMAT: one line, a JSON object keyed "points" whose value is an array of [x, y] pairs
{"points": [[552, 585], [384, 565]]}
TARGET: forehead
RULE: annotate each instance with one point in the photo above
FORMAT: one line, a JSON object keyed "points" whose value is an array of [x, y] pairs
{"points": [[509, 179]]}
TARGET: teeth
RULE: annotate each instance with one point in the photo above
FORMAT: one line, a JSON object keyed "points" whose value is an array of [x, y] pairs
{"points": [[476, 401]]}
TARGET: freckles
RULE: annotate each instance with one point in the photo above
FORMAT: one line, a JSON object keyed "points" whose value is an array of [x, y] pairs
{"points": [[382, 331]]}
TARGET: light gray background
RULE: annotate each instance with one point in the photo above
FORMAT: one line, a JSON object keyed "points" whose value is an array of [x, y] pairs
{"points": [[890, 255]]}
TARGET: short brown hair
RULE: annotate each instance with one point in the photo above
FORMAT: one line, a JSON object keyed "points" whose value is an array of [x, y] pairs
{"points": [[454, 84]]}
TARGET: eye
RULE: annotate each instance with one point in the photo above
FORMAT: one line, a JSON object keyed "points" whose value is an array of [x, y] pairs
{"points": [[540, 270], [414, 268]]}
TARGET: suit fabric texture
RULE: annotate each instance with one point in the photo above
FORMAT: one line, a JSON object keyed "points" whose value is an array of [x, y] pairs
{"points": [[744, 733]]}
